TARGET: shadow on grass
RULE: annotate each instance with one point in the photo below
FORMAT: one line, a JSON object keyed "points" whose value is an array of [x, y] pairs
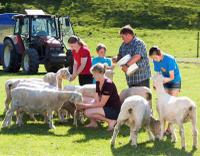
{"points": [[38, 127], [158, 148], [93, 133]]}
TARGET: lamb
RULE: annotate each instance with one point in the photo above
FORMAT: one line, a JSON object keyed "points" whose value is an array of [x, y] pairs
{"points": [[50, 78], [142, 91], [62, 73], [87, 90], [175, 110], [135, 112], [12, 83], [34, 100]]}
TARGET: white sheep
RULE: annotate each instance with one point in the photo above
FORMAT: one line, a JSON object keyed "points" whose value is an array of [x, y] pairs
{"points": [[135, 112], [87, 90], [34, 100], [142, 91], [175, 110], [13, 83], [50, 78], [62, 73]]}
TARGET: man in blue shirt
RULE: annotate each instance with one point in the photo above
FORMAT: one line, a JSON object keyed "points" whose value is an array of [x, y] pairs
{"points": [[167, 66]]}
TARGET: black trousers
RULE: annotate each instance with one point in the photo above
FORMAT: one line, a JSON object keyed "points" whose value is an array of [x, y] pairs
{"points": [[85, 79], [145, 83]]}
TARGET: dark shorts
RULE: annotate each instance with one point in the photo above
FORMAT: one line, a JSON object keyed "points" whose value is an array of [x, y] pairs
{"points": [[85, 79], [172, 85], [145, 83], [110, 113]]}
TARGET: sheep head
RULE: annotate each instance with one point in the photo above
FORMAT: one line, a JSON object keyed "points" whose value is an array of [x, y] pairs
{"points": [[76, 98], [63, 73], [155, 127], [157, 80], [50, 78]]}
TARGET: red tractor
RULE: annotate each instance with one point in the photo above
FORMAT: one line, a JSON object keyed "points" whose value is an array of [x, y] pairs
{"points": [[38, 39]]}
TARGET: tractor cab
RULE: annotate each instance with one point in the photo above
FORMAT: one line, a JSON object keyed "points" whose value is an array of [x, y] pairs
{"points": [[38, 38]]}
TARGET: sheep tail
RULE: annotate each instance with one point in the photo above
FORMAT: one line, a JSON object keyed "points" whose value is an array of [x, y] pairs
{"points": [[130, 110], [148, 96]]}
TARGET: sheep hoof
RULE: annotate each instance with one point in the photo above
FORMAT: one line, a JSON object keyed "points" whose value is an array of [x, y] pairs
{"points": [[52, 127], [173, 140], [112, 143], [134, 145], [194, 147], [183, 148]]}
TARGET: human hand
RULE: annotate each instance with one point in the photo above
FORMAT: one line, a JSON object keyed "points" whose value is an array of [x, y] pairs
{"points": [[114, 60], [80, 106], [124, 68]]}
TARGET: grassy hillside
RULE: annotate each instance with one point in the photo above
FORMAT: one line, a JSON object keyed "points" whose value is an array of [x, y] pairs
{"points": [[116, 13]]}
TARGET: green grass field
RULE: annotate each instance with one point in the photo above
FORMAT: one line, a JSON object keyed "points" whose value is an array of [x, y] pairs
{"points": [[179, 43], [35, 139]]}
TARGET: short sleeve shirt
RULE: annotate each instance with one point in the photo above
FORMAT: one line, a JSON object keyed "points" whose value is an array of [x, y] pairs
{"points": [[101, 60], [110, 89], [83, 53], [136, 46], [167, 64]]}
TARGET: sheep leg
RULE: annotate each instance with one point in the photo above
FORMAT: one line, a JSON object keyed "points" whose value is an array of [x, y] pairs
{"points": [[162, 126], [151, 135], [32, 116], [75, 118], [116, 131], [133, 133], [181, 132], [19, 121], [194, 129], [50, 122], [8, 118], [7, 101], [61, 115], [173, 132]]}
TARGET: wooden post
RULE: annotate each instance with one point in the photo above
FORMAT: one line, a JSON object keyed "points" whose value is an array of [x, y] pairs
{"points": [[198, 45]]}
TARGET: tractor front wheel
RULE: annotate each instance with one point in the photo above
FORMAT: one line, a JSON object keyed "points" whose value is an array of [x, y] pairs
{"points": [[11, 60], [30, 62]]}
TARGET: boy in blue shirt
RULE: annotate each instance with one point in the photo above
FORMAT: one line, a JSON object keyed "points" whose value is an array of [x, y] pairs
{"points": [[167, 66], [101, 51], [101, 58]]}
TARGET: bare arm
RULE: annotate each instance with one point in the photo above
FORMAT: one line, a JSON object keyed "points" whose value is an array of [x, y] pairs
{"points": [[170, 78], [80, 69], [98, 102]]}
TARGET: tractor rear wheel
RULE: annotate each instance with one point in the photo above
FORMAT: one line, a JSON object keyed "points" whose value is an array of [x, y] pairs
{"points": [[11, 60], [30, 62], [51, 67]]}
